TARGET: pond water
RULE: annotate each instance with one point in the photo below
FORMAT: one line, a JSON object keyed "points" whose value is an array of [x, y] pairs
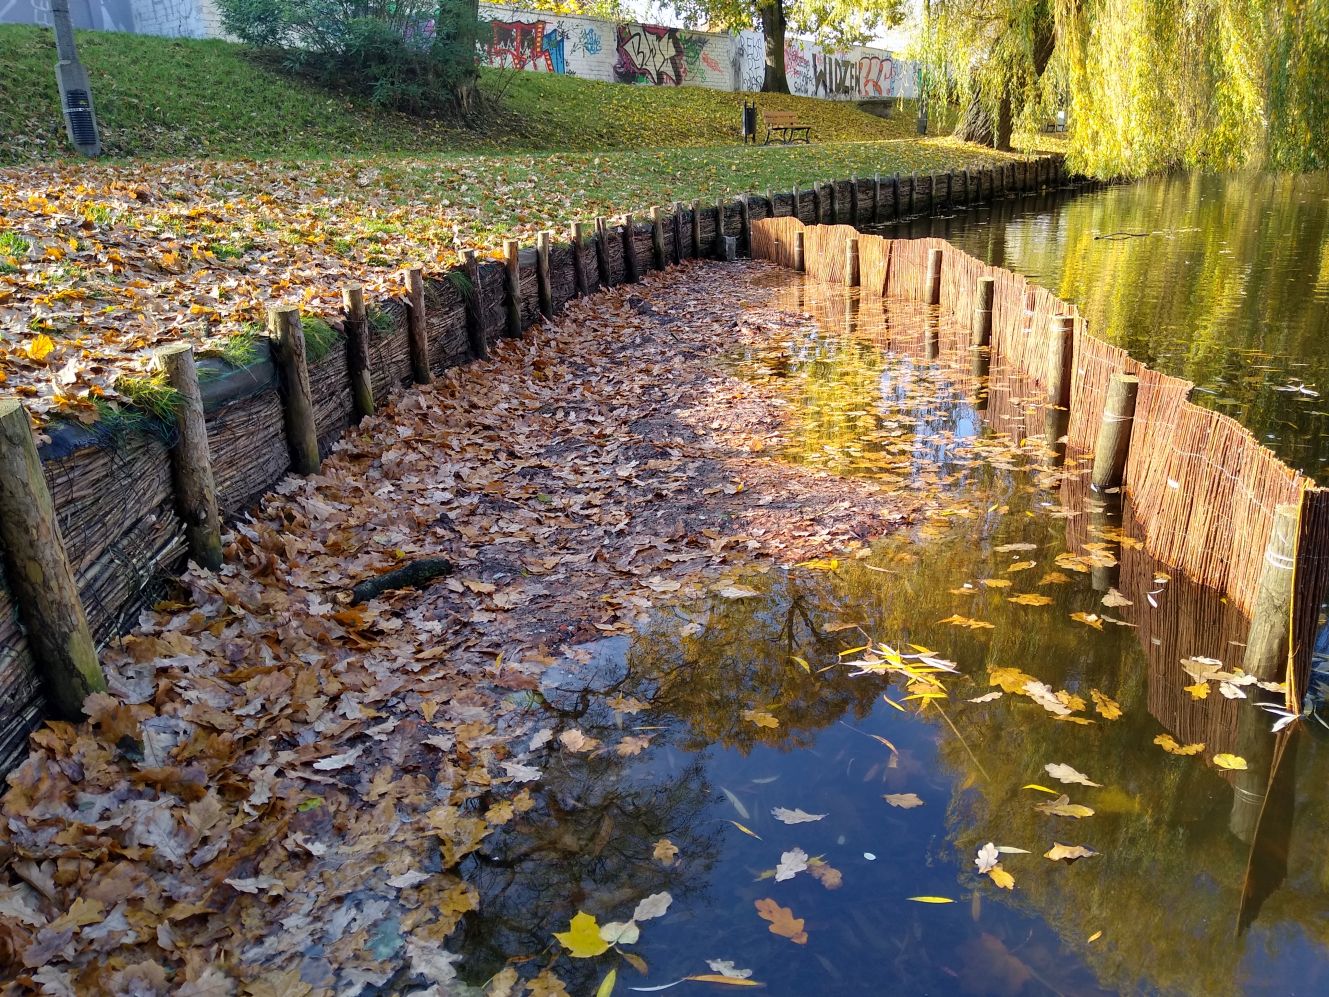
{"points": [[1221, 279], [860, 691]]}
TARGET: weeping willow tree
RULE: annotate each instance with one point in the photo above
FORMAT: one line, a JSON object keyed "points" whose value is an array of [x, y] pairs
{"points": [[1149, 84]]}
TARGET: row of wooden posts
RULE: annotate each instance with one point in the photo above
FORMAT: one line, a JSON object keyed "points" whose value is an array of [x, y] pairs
{"points": [[1266, 653], [41, 581]]}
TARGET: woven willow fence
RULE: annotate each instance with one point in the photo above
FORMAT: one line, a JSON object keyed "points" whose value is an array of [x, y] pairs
{"points": [[1201, 486]]}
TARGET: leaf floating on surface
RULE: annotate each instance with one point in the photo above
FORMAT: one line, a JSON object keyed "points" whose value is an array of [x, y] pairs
{"points": [[620, 932], [795, 816], [746, 830], [1095, 936], [783, 922], [1169, 744], [665, 852], [905, 801], [739, 592], [1068, 853], [792, 862], [931, 900], [652, 907], [1041, 789], [1021, 566], [1230, 762], [1002, 878], [726, 967], [1108, 708], [607, 984], [1115, 599], [1063, 807], [1088, 619], [1030, 599], [987, 698], [1200, 690], [582, 939], [988, 857], [761, 718], [969, 624], [1066, 774], [576, 742]]}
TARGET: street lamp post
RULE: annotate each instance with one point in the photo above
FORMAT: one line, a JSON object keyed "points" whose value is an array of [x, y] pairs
{"points": [[75, 92]]}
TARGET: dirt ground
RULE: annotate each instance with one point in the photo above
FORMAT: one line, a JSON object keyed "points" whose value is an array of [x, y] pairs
{"points": [[277, 774]]}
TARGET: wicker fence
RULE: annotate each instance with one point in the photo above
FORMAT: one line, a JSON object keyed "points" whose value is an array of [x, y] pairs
{"points": [[1203, 488]]}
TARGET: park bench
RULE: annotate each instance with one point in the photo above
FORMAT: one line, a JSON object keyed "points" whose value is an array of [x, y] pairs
{"points": [[784, 124]]}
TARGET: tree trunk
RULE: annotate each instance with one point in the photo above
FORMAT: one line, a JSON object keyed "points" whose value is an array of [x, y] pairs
{"points": [[773, 26], [1003, 136], [461, 22], [976, 125]]}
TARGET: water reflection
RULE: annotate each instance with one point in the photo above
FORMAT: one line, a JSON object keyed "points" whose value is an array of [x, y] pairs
{"points": [[1206, 882], [1223, 280]]}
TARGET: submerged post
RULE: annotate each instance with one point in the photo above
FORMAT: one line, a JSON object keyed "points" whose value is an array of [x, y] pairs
{"points": [[579, 264], [657, 238], [602, 249], [512, 287], [544, 289], [799, 264], [932, 287], [297, 401], [1114, 432], [1266, 643], [191, 465], [475, 307], [356, 326], [851, 263], [40, 578], [980, 328], [1061, 357], [416, 326]]}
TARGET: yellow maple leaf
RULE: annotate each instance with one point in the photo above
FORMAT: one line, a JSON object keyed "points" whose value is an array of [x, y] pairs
{"points": [[1002, 878], [1200, 690], [39, 347], [582, 939]]}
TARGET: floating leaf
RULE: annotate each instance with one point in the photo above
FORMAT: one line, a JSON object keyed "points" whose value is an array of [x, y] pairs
{"points": [[1021, 566], [1066, 774], [582, 939], [1030, 599], [1068, 853], [1095, 936], [739, 592], [987, 857], [783, 922], [652, 907], [1088, 619], [794, 816], [726, 968], [1231, 762], [575, 741], [826, 874], [963, 621], [1041, 789], [1010, 548], [1011, 680], [1230, 690], [1115, 599], [987, 698], [761, 718], [620, 932], [665, 851], [1169, 744], [1063, 807], [931, 900], [1200, 690], [1002, 878], [792, 862], [1108, 708], [607, 984], [746, 830], [905, 801]]}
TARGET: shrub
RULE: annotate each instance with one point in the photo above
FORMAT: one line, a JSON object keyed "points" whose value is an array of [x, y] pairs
{"points": [[418, 56]]}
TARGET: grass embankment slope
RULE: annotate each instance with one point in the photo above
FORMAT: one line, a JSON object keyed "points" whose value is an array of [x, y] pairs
{"points": [[231, 185]]}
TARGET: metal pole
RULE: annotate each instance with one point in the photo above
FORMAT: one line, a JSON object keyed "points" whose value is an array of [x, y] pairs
{"points": [[75, 91]]}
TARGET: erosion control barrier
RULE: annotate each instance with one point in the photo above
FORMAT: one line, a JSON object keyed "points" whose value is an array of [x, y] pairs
{"points": [[134, 499], [1207, 494]]}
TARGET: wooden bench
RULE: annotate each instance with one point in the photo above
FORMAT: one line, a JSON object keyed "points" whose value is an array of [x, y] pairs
{"points": [[784, 124]]}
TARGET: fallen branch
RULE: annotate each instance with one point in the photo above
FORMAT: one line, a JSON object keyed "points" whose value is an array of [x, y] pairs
{"points": [[415, 575]]}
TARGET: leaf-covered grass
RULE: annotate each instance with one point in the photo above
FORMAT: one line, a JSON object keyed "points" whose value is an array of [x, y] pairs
{"points": [[174, 97]]}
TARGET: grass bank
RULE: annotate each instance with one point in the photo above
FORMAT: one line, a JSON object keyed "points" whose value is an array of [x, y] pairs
{"points": [[231, 186]]}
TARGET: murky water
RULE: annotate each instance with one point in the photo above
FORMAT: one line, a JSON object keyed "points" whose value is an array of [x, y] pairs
{"points": [[1223, 280], [1205, 881]]}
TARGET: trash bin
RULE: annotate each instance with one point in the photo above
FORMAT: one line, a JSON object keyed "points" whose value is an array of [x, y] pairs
{"points": [[749, 122]]}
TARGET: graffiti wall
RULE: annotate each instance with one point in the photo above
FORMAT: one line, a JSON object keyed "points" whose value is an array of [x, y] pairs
{"points": [[670, 57], [173, 18]]}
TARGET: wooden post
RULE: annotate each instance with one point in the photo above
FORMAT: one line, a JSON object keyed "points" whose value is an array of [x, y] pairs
{"points": [[1265, 656], [851, 263], [796, 210], [745, 226], [676, 220], [876, 199], [816, 203], [770, 200], [1114, 432], [578, 264], [964, 179], [475, 307], [602, 250], [799, 265], [657, 238], [356, 325], [980, 329], [717, 245], [41, 581], [416, 326], [1061, 357], [932, 286], [512, 287], [191, 466], [297, 400], [696, 229], [631, 273], [931, 338], [913, 194], [895, 197], [853, 201], [834, 206], [543, 287]]}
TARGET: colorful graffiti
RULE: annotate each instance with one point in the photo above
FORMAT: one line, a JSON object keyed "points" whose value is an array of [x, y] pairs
{"points": [[876, 76], [833, 76], [650, 54], [525, 45], [797, 69]]}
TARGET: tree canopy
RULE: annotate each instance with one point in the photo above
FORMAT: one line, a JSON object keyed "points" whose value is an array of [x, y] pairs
{"points": [[1149, 84]]}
